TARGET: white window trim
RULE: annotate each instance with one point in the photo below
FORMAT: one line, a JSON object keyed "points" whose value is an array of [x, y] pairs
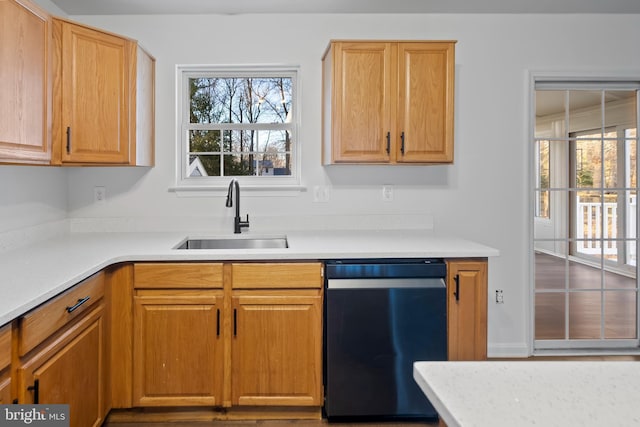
{"points": [[196, 187]]}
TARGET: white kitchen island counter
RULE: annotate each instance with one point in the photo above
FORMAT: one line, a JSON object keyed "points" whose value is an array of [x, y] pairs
{"points": [[530, 393], [34, 273]]}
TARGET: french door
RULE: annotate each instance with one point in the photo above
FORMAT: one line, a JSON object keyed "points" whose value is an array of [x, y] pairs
{"points": [[585, 235]]}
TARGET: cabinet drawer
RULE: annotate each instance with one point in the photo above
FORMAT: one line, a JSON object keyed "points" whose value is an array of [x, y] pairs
{"points": [[5, 346], [41, 322], [277, 275], [181, 275]]}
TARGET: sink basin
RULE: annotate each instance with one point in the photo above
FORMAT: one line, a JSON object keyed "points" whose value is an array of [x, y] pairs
{"points": [[235, 243]]}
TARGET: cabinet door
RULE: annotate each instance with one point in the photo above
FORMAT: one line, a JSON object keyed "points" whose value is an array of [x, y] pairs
{"points": [[70, 371], [425, 105], [467, 310], [25, 104], [94, 92], [5, 390], [276, 350], [362, 102], [177, 350], [5, 365]]}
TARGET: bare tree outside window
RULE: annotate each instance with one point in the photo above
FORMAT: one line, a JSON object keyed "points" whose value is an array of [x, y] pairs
{"points": [[240, 126]]}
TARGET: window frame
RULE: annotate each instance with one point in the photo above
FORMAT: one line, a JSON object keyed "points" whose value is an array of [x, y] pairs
{"points": [[191, 184]]}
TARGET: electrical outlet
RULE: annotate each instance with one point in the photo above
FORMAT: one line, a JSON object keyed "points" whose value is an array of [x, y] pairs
{"points": [[100, 195], [321, 193], [499, 296], [387, 193]]}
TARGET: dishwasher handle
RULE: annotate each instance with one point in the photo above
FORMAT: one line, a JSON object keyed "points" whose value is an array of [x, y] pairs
{"points": [[387, 283]]}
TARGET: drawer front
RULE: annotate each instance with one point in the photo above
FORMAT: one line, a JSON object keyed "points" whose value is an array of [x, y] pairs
{"points": [[277, 276], [41, 322], [180, 275], [5, 346]]}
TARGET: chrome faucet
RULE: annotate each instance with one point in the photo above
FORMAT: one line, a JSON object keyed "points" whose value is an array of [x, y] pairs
{"points": [[238, 223]]}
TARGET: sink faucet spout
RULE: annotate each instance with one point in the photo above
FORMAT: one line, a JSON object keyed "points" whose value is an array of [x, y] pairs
{"points": [[238, 223]]}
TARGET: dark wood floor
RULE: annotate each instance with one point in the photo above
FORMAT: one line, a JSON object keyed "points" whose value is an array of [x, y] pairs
{"points": [[585, 308]]}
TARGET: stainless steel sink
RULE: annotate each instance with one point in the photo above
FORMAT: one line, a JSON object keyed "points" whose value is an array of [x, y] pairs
{"points": [[235, 243]]}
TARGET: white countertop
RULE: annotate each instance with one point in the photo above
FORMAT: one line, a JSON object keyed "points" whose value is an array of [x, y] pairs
{"points": [[529, 393], [31, 275]]}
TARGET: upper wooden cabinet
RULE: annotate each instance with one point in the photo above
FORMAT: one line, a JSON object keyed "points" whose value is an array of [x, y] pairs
{"points": [[467, 309], [103, 98], [25, 83], [388, 102]]}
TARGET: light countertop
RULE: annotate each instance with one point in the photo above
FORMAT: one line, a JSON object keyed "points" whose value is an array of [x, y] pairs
{"points": [[33, 274], [530, 393]]}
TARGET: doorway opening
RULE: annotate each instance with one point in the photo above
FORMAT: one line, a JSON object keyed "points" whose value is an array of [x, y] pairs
{"points": [[585, 238]]}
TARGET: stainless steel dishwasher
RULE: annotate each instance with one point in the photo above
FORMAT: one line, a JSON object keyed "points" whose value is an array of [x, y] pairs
{"points": [[381, 316]]}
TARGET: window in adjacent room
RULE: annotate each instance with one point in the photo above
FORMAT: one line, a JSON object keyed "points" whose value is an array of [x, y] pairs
{"points": [[238, 123], [542, 199]]}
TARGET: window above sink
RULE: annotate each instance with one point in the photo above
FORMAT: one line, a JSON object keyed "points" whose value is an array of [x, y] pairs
{"points": [[237, 122]]}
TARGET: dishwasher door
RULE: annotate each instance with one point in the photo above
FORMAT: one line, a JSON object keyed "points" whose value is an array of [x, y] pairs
{"points": [[375, 328]]}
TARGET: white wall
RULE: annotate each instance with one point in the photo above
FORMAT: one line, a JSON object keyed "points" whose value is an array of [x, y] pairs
{"points": [[30, 196], [482, 197]]}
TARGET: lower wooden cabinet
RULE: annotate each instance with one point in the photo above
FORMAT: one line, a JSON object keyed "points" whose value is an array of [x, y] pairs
{"points": [[177, 334], [276, 354], [467, 309], [69, 370], [177, 352], [5, 390], [5, 365], [238, 334]]}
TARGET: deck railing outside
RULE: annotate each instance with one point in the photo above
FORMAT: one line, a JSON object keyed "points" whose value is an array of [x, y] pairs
{"points": [[599, 234]]}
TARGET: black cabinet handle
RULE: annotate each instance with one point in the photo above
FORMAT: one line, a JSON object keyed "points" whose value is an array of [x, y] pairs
{"points": [[218, 323], [388, 142], [78, 304], [235, 322], [36, 391], [457, 291], [68, 139], [402, 143]]}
